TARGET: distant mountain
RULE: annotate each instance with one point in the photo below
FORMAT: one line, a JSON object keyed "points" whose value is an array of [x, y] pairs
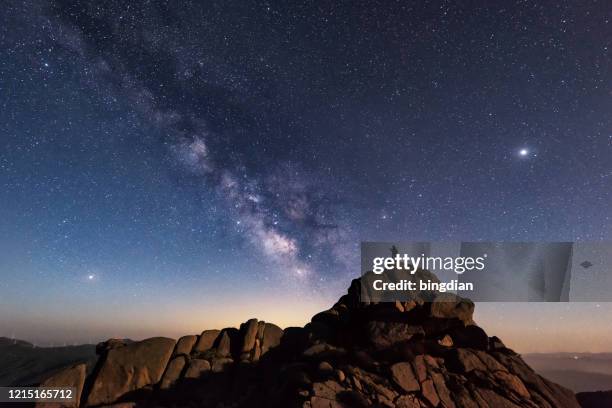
{"points": [[21, 363], [600, 399], [577, 371]]}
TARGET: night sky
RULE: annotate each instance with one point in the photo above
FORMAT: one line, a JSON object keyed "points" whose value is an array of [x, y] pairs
{"points": [[167, 167]]}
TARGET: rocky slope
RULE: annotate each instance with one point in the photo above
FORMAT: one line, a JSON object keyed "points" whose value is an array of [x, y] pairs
{"points": [[427, 352]]}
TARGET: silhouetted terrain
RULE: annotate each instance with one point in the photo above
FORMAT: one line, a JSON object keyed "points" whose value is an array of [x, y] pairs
{"points": [[426, 352], [577, 371], [23, 364]]}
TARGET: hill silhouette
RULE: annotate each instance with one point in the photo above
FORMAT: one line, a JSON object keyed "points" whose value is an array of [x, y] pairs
{"points": [[426, 352]]}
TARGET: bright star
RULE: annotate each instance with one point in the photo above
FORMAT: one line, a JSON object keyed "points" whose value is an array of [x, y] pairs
{"points": [[523, 152], [90, 277]]}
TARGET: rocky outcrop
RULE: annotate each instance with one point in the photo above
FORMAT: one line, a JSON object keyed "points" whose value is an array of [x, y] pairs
{"points": [[129, 367], [427, 352], [74, 377]]}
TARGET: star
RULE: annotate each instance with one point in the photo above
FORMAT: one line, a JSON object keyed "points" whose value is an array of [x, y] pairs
{"points": [[524, 152]]}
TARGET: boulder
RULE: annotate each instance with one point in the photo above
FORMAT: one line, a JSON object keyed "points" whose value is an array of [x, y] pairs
{"points": [[130, 368], [206, 340], [103, 347], [221, 364], [173, 372], [272, 335], [249, 333], [451, 306], [197, 368], [73, 376], [224, 347], [184, 345], [384, 334], [404, 377]]}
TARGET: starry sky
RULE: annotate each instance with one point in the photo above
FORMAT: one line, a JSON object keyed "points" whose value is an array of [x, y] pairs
{"points": [[167, 168]]}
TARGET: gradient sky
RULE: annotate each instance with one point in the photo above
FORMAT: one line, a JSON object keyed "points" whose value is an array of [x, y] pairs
{"points": [[167, 168]]}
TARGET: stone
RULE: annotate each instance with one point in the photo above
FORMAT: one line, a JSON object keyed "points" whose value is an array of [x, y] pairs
{"points": [[468, 361], [407, 401], [429, 392], [131, 367], [328, 389], [206, 340], [103, 347], [249, 332], [451, 306], [272, 335], [470, 337], [385, 334], [446, 341], [404, 377], [224, 349], [318, 402], [496, 344], [325, 368], [73, 376], [197, 368], [512, 382], [173, 372], [420, 368], [340, 376], [493, 399], [442, 391], [221, 364], [184, 345]]}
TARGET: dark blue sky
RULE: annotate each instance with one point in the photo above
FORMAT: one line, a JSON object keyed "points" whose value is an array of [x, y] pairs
{"points": [[158, 158]]}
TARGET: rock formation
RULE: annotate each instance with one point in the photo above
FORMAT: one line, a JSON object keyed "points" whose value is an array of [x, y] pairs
{"points": [[421, 353]]}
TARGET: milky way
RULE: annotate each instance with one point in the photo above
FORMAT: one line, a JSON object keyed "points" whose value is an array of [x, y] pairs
{"points": [[186, 151]]}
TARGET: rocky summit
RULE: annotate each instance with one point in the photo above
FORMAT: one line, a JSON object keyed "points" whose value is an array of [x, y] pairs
{"points": [[426, 352]]}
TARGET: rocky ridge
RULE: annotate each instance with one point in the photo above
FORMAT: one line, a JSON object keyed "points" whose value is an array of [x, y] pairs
{"points": [[426, 352]]}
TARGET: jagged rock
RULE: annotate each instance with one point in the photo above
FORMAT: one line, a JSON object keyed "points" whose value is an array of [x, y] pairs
{"points": [[317, 402], [206, 340], [130, 367], [420, 368], [249, 331], [442, 391], [173, 372], [450, 306], [496, 344], [73, 376], [224, 349], [184, 345], [328, 389], [403, 376], [407, 401], [429, 392], [197, 367], [468, 360], [385, 334], [512, 383]]}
